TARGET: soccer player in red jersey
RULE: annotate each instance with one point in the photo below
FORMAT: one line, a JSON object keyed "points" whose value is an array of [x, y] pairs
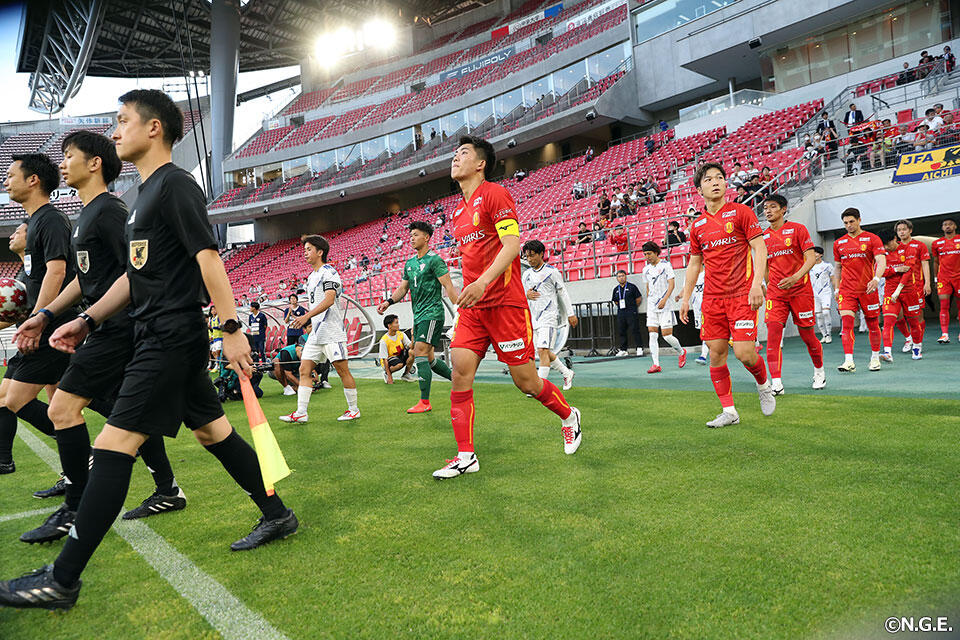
{"points": [[790, 256], [860, 262], [946, 252], [921, 269], [492, 304], [902, 295], [721, 239]]}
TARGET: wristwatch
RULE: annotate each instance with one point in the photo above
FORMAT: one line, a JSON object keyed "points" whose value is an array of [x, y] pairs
{"points": [[91, 323], [230, 326]]}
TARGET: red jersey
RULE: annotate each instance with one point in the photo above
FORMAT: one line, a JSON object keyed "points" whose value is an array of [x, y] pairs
{"points": [[785, 247], [475, 227], [909, 255], [922, 254], [723, 239], [855, 257], [947, 253]]}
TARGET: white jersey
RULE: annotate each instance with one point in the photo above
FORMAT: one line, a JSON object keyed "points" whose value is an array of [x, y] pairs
{"points": [[696, 298], [327, 326], [658, 278], [545, 310], [820, 275]]}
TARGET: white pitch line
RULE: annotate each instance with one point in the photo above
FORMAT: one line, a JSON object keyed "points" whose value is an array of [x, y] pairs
{"points": [[25, 514], [223, 610]]}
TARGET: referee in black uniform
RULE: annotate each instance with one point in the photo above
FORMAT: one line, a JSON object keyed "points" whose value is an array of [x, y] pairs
{"points": [[172, 265], [93, 377], [31, 179]]}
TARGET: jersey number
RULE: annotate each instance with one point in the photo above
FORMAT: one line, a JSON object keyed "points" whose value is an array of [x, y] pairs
{"points": [[769, 305]]}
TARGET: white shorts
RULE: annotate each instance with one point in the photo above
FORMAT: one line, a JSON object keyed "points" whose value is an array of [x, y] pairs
{"points": [[662, 318], [822, 300], [697, 316], [320, 353], [544, 338]]}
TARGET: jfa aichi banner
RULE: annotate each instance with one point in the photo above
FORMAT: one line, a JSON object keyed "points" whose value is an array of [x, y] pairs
{"points": [[928, 165]]}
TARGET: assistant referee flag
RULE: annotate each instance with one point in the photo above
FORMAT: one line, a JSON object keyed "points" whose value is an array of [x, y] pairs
{"points": [[273, 467]]}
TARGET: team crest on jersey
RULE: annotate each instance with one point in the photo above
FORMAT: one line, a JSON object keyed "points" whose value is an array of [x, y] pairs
{"points": [[138, 253], [787, 241], [863, 246], [728, 227], [83, 261], [903, 258], [476, 218]]}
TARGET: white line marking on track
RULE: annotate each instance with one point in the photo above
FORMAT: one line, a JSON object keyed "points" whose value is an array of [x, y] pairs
{"points": [[25, 514], [223, 610]]}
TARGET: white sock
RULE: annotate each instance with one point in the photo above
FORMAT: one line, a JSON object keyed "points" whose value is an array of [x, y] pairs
{"points": [[351, 396], [848, 358], [673, 342], [543, 372], [888, 350], [704, 350], [777, 382], [655, 349], [818, 370], [874, 354], [908, 339], [303, 398], [822, 330], [731, 411], [918, 345], [828, 322], [465, 455], [557, 365]]}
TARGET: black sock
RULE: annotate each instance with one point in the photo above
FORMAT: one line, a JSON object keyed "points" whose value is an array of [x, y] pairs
{"points": [[103, 407], [99, 507], [73, 444], [324, 371], [155, 457], [240, 461], [35, 412], [8, 431]]}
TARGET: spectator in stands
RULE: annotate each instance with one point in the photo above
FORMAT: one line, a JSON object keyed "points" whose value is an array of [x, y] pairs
{"points": [[252, 290], [433, 133], [649, 145], [663, 125], [884, 146], [618, 238], [399, 244], [616, 202], [853, 116], [440, 221], [583, 234], [351, 263], [579, 192], [589, 153], [951, 60], [766, 175], [626, 298], [364, 274], [244, 301], [364, 261], [383, 237], [932, 120], [831, 143], [377, 267], [752, 170], [447, 239], [691, 214], [281, 288], [738, 176], [674, 235], [519, 175], [599, 234], [907, 75], [948, 132], [753, 185], [257, 322], [922, 139], [649, 189], [603, 205], [856, 153], [826, 123], [742, 194], [925, 58]]}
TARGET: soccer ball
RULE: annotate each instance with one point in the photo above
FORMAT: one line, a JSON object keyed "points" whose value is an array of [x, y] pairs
{"points": [[13, 301]]}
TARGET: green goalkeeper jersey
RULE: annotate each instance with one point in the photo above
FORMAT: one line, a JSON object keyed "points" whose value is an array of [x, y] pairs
{"points": [[426, 292]]}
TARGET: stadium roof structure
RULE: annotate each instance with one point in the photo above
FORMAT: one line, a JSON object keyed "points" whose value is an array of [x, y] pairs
{"points": [[62, 41]]}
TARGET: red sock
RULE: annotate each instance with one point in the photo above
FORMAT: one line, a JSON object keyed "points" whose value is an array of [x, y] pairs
{"points": [[758, 370], [814, 348], [888, 326], [774, 354], [945, 316], [552, 398], [461, 415], [873, 330], [916, 329], [721, 384], [904, 327], [847, 326]]}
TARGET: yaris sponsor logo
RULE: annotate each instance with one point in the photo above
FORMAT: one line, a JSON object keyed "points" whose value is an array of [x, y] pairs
{"points": [[721, 242], [782, 252], [471, 237]]}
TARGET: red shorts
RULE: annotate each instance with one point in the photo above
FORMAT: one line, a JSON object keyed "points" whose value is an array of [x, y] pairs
{"points": [[508, 329], [800, 306], [909, 302], [869, 303], [948, 287], [726, 318]]}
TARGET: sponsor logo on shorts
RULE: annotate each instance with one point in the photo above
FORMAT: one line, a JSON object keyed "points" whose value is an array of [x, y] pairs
{"points": [[805, 315], [873, 307], [913, 308], [743, 324], [512, 345]]}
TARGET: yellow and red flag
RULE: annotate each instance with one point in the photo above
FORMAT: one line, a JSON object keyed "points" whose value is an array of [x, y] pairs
{"points": [[273, 467]]}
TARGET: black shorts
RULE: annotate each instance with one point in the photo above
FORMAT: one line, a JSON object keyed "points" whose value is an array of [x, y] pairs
{"points": [[96, 369], [167, 382], [12, 365], [400, 358], [288, 363], [292, 339], [45, 365]]}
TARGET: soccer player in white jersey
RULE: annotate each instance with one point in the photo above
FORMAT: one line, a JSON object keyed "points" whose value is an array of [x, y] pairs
{"points": [[696, 300], [820, 277], [661, 282], [546, 294], [328, 339]]}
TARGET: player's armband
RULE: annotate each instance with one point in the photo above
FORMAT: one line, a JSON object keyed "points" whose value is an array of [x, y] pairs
{"points": [[508, 228]]}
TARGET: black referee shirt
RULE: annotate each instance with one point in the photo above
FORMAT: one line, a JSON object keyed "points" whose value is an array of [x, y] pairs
{"points": [[99, 249], [166, 229], [48, 238]]}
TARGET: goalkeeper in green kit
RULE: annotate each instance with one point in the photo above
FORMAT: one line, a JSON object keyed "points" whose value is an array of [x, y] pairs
{"points": [[426, 276]]}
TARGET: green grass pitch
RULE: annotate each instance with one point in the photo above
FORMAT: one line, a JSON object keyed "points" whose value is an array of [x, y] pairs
{"points": [[819, 521]]}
